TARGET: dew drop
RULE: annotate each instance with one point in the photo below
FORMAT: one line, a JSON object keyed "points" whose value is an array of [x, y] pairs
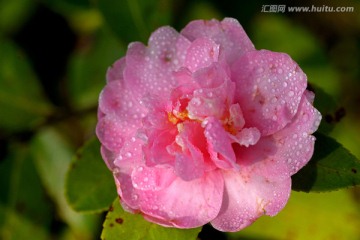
{"points": [[291, 93], [259, 70], [285, 84], [280, 71], [196, 101], [128, 154], [135, 197]]}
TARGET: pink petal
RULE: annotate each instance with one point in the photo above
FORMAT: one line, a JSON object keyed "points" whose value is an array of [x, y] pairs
{"points": [[151, 178], [156, 151], [296, 144], [108, 157], [115, 71], [111, 132], [121, 115], [228, 34], [186, 84], [149, 69], [247, 197], [189, 163], [247, 136], [201, 53], [269, 89], [262, 159], [281, 155], [116, 99], [214, 95], [184, 204], [189, 166], [219, 144]]}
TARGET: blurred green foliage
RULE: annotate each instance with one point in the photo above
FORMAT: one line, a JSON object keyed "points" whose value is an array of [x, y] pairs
{"points": [[48, 101]]}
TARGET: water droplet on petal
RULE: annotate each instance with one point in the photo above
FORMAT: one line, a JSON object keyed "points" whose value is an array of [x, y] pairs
{"points": [[135, 197], [259, 70], [196, 101], [280, 71], [291, 93], [128, 154]]}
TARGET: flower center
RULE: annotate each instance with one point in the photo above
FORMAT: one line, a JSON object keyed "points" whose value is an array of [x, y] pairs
{"points": [[180, 117]]}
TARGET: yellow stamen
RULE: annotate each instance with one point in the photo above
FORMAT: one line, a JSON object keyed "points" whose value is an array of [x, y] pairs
{"points": [[172, 118]]}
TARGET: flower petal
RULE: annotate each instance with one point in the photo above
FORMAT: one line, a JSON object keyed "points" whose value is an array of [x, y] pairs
{"points": [[116, 99], [247, 197], [201, 53], [281, 155], [228, 34], [115, 71], [190, 163], [215, 93], [156, 151], [296, 141], [185, 204], [120, 115], [149, 69], [219, 144], [247, 136], [269, 87], [111, 133], [151, 178]]}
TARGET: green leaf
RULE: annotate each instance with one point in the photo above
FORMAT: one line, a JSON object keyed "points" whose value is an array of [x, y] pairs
{"points": [[22, 104], [21, 190], [332, 167], [16, 226], [317, 216], [123, 225], [14, 13], [89, 184], [53, 156], [331, 111], [134, 20]]}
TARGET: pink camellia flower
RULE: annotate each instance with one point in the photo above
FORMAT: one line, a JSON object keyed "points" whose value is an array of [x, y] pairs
{"points": [[201, 127]]}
